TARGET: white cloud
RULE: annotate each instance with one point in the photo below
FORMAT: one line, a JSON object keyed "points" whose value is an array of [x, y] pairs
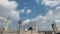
{"points": [[56, 12], [28, 11], [8, 8], [50, 3], [26, 21], [41, 21], [2, 20], [57, 21], [21, 11], [38, 1], [7, 4]]}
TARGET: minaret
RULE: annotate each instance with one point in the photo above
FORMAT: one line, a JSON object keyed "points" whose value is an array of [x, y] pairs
{"points": [[36, 26], [6, 25]]}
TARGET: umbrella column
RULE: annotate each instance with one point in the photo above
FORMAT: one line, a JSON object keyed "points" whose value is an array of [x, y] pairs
{"points": [[6, 25], [54, 27], [19, 27]]}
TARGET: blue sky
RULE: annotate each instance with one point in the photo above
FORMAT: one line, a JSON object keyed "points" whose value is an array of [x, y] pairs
{"points": [[31, 4]]}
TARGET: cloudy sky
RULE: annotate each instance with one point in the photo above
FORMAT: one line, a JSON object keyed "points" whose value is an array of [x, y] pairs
{"points": [[41, 11]]}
